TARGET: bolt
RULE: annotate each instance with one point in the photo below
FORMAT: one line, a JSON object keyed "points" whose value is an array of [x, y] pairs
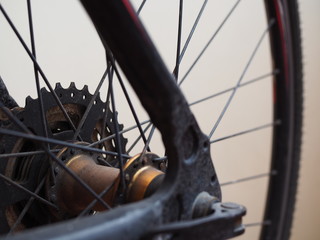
{"points": [[53, 197], [52, 194], [230, 205], [56, 170], [127, 177]]}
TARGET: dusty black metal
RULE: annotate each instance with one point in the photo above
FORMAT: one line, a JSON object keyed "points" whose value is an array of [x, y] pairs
{"points": [[224, 222]]}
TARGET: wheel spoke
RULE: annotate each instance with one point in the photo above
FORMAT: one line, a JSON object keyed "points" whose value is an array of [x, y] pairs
{"points": [[240, 79], [141, 6], [209, 42], [278, 122], [107, 103], [93, 99], [254, 177], [148, 142], [36, 73], [125, 92], [31, 136], [138, 138], [121, 132], [58, 142], [117, 135], [195, 24], [176, 69], [265, 76], [23, 154], [90, 206]]}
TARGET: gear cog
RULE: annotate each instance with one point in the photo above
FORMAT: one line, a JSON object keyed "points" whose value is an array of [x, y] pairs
{"points": [[29, 170]]}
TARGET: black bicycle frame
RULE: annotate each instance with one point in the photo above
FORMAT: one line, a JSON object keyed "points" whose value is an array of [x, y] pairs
{"points": [[177, 208]]}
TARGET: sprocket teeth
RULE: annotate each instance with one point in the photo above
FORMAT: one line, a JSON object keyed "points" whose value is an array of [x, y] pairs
{"points": [[58, 86], [44, 91], [29, 99], [72, 85], [85, 88], [76, 98]]}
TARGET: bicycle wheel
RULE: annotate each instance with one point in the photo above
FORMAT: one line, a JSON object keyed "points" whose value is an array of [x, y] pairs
{"points": [[284, 76]]}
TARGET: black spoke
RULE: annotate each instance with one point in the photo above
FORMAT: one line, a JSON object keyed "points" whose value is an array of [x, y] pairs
{"points": [[92, 101], [90, 206], [117, 137], [13, 183], [232, 88], [148, 142], [278, 122], [195, 24], [36, 73], [176, 69], [39, 70], [141, 6], [58, 142], [125, 92], [23, 154], [240, 79], [107, 103], [121, 132], [27, 207], [209, 42], [29, 135], [245, 179], [138, 138]]}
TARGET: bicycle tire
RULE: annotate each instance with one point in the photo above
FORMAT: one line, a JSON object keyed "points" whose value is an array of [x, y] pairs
{"points": [[286, 159]]}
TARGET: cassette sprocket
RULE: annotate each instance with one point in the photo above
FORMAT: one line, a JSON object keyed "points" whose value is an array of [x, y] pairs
{"points": [[30, 169]]}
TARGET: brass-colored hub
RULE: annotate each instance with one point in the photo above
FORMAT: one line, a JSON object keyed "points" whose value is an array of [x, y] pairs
{"points": [[143, 176], [71, 196]]}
